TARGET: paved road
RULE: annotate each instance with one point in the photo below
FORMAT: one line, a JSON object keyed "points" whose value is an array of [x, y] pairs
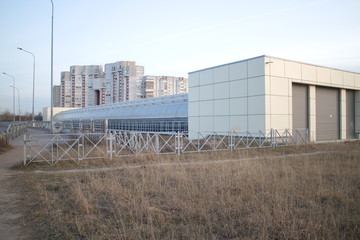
{"points": [[19, 141]]}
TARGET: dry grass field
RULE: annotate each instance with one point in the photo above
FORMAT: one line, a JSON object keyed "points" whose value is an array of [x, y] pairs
{"points": [[285, 197]]}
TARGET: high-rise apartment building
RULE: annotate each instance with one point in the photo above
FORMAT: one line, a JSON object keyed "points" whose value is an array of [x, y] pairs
{"points": [[83, 86], [56, 93], [96, 91], [157, 86], [120, 80], [65, 89]]}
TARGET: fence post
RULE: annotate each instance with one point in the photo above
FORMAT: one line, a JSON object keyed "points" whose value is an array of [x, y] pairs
{"points": [[178, 144], [106, 125], [157, 145], [52, 150], [231, 140], [307, 135], [247, 139], [82, 146], [110, 145], [272, 134], [24, 149]]}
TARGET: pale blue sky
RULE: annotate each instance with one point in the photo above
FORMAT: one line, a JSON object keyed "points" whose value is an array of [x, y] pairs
{"points": [[169, 37]]}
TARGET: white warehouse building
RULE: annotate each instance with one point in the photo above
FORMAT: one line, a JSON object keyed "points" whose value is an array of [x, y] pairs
{"points": [[264, 93]]}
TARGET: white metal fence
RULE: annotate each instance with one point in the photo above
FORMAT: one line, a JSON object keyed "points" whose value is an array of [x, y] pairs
{"points": [[4, 137], [12, 130], [40, 124], [52, 148]]}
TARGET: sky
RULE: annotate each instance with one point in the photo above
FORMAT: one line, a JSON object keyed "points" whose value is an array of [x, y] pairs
{"points": [[167, 37]]}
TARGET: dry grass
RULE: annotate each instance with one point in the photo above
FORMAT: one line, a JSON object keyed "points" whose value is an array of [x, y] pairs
{"points": [[310, 197], [4, 145], [191, 157]]}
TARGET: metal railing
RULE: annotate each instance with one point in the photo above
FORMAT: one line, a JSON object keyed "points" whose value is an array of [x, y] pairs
{"points": [[41, 124], [52, 148], [84, 126], [13, 130], [4, 137]]}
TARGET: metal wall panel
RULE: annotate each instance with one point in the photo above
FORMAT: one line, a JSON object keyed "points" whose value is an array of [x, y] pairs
{"points": [[300, 106], [327, 113], [350, 114]]}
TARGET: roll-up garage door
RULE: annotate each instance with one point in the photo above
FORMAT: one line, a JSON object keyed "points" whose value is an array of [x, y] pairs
{"points": [[327, 113], [300, 106], [350, 114]]}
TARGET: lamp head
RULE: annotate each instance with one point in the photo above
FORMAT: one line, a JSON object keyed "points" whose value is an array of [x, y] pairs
{"points": [[19, 48]]}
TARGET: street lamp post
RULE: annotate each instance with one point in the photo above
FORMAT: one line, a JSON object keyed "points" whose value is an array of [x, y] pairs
{"points": [[18, 100], [13, 78], [33, 93], [52, 65]]}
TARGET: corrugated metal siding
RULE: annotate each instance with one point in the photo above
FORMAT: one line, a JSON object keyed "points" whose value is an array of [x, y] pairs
{"points": [[327, 113], [350, 114], [300, 106]]}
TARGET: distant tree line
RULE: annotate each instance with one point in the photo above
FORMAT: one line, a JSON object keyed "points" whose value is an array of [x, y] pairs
{"points": [[9, 117]]}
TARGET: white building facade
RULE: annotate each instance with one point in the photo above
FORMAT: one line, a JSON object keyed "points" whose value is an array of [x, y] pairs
{"points": [[78, 86], [47, 112], [119, 80], [265, 93], [157, 86]]}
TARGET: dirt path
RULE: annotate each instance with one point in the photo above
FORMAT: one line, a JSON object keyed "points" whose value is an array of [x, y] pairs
{"points": [[11, 214]]}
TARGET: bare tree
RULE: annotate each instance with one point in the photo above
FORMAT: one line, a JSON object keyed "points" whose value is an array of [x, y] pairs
{"points": [[6, 116]]}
